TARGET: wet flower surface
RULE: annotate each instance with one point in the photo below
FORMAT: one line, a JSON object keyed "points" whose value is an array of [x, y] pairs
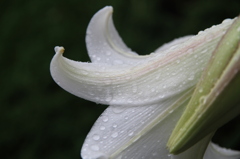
{"points": [[146, 94]]}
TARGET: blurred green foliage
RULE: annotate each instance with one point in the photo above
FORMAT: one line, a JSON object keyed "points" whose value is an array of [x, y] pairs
{"points": [[38, 118]]}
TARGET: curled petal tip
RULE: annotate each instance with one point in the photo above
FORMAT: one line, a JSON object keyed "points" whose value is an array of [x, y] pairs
{"points": [[110, 8], [59, 49]]}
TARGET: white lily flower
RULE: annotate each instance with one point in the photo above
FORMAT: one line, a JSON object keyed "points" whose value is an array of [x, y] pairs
{"points": [[147, 94]]}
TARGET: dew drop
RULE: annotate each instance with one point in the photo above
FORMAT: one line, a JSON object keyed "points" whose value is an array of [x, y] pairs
{"points": [[114, 125], [84, 72], [226, 20], [89, 32], [134, 89], [105, 137], [117, 62], [154, 154], [97, 98], [88, 39], [204, 51], [95, 147], [105, 118], [191, 78], [117, 109], [162, 96], [129, 101], [108, 53], [174, 73], [152, 90], [200, 32], [190, 51], [203, 100], [90, 93], [130, 133], [108, 99], [200, 90], [115, 134], [96, 137], [128, 77], [102, 128]]}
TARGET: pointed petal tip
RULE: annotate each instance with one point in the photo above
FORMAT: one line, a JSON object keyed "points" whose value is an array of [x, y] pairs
{"points": [[106, 10], [109, 8], [59, 49]]}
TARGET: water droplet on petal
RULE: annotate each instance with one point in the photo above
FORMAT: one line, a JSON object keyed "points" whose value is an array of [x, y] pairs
{"points": [[204, 51], [190, 51], [96, 137], [108, 53], [154, 154], [114, 125], [117, 109], [89, 31], [84, 72], [226, 20], [95, 147], [162, 96], [129, 101], [105, 118], [115, 134], [117, 62], [200, 32], [191, 78], [108, 99], [130, 133], [102, 128], [88, 39]]}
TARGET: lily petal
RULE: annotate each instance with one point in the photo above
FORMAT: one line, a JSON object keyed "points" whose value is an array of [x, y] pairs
{"points": [[132, 132], [146, 94], [167, 72], [216, 152], [104, 44]]}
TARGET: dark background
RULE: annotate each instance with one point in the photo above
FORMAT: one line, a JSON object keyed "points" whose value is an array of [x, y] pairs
{"points": [[40, 120]]}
